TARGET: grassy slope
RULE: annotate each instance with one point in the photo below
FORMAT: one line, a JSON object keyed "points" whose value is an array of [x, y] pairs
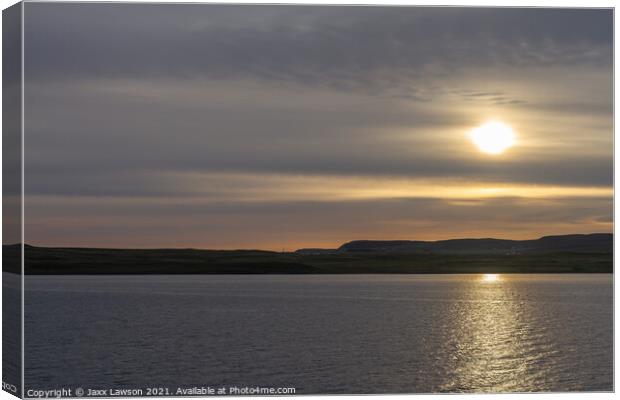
{"points": [[180, 261]]}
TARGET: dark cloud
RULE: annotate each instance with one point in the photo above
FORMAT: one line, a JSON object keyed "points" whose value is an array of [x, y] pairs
{"points": [[163, 178], [498, 98], [370, 49]]}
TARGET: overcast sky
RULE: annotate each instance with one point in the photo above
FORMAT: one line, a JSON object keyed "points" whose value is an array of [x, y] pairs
{"points": [[279, 127]]}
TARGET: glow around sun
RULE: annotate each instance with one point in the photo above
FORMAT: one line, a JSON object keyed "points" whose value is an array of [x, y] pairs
{"points": [[493, 137]]}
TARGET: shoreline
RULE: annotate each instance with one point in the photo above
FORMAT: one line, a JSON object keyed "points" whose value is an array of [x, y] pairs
{"points": [[64, 261]]}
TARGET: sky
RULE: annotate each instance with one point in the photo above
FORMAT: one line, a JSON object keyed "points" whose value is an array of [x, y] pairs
{"points": [[282, 127]]}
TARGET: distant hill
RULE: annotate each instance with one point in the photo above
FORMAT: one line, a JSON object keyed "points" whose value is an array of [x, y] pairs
{"points": [[587, 243], [549, 254]]}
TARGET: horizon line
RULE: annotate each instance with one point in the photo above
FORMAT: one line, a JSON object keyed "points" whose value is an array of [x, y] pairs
{"points": [[302, 248]]}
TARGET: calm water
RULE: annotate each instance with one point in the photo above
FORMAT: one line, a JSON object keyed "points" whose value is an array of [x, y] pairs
{"points": [[322, 334]]}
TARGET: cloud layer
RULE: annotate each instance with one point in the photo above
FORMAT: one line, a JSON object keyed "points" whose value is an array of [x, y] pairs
{"points": [[151, 104]]}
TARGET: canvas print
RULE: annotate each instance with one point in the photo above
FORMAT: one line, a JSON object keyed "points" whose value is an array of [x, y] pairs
{"points": [[233, 199]]}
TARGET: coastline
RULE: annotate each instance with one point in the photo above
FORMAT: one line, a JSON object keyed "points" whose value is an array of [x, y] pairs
{"points": [[84, 261]]}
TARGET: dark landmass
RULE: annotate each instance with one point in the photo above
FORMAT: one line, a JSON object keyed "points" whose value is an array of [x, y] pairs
{"points": [[592, 243], [551, 254]]}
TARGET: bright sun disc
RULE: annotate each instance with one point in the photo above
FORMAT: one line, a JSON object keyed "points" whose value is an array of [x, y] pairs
{"points": [[493, 137]]}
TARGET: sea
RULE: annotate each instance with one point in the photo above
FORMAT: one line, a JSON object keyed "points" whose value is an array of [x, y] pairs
{"points": [[319, 334]]}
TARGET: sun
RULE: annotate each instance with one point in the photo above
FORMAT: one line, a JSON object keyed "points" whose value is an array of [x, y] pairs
{"points": [[493, 137]]}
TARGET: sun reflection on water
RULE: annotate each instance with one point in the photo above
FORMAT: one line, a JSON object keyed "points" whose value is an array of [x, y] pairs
{"points": [[490, 277], [493, 342]]}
